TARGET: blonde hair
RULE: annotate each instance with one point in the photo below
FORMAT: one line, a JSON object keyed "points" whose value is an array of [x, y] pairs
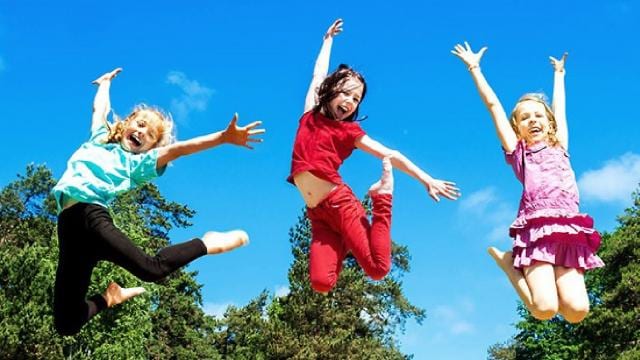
{"points": [[540, 98], [163, 123]]}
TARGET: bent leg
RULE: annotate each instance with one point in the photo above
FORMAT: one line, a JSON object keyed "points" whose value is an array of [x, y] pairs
{"points": [[114, 246], [326, 254], [515, 276], [574, 301], [71, 309], [370, 244], [542, 283]]}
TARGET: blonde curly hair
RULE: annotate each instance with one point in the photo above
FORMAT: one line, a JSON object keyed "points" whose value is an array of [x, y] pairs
{"points": [[161, 120], [540, 98]]}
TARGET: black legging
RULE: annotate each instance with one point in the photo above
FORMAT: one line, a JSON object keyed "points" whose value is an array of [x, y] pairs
{"points": [[86, 235]]}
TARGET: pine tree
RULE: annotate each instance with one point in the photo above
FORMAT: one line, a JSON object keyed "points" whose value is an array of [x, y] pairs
{"points": [[358, 319], [165, 323]]}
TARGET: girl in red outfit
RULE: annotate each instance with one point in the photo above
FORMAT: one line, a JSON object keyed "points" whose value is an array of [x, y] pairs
{"points": [[327, 134]]}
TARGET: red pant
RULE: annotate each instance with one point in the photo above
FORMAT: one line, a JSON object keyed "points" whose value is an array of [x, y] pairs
{"points": [[339, 224]]}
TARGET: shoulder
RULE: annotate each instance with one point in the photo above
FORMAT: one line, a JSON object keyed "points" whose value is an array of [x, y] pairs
{"points": [[99, 133]]}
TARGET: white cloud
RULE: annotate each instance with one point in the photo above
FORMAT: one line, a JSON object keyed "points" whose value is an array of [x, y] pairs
{"points": [[215, 309], [478, 201], [614, 182], [194, 97], [281, 291], [490, 212], [452, 318]]}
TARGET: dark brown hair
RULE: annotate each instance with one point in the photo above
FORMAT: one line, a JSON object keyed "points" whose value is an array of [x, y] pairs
{"points": [[332, 86]]}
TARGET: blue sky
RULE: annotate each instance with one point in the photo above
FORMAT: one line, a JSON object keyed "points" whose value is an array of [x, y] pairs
{"points": [[203, 61]]}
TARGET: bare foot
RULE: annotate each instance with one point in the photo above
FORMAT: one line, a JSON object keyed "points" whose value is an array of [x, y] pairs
{"points": [[115, 294], [385, 184], [505, 261], [220, 242]]}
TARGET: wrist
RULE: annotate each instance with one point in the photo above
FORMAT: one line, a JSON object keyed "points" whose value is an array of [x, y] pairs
{"points": [[473, 67]]}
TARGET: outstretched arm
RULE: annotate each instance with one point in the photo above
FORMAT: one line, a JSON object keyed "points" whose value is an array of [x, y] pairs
{"points": [[505, 133], [233, 134], [435, 187], [101, 103], [559, 103], [321, 68]]}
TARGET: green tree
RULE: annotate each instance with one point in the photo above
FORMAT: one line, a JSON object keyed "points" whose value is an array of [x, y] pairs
{"points": [[612, 329], [358, 319], [166, 323]]}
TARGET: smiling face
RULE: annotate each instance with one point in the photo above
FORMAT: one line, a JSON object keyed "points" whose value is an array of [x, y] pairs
{"points": [[531, 121], [142, 131], [347, 99]]}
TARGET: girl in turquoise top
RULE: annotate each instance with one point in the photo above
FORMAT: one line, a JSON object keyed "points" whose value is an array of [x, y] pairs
{"points": [[117, 158]]}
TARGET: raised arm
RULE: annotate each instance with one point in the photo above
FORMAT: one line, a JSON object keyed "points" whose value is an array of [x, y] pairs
{"points": [[558, 103], [101, 103], [505, 132], [233, 134], [434, 187], [321, 68]]}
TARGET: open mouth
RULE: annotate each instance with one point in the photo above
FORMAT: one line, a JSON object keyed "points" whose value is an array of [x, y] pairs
{"points": [[135, 140], [342, 110], [535, 130]]}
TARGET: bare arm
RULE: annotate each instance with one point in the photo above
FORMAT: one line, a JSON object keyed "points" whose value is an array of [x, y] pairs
{"points": [[321, 68], [101, 103], [504, 130], [233, 134], [435, 187], [559, 103]]}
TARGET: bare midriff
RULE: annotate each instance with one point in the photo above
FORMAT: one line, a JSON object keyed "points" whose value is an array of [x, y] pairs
{"points": [[312, 188]]}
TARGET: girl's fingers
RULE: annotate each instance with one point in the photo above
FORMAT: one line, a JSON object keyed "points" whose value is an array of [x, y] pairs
{"points": [[253, 124], [234, 120], [257, 132]]}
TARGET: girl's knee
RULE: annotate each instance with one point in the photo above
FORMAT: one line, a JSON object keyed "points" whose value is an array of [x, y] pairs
{"points": [[576, 312], [322, 287], [322, 284], [543, 314], [544, 309], [379, 274]]}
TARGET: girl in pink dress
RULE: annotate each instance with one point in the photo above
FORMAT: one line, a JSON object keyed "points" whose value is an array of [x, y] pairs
{"points": [[553, 243], [327, 135]]}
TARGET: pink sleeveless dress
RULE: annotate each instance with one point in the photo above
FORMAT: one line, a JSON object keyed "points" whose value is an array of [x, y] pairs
{"points": [[549, 226]]}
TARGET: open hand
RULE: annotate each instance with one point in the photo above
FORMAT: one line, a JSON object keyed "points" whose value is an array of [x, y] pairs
{"points": [[465, 54], [242, 135], [444, 188], [334, 29], [107, 77], [558, 65]]}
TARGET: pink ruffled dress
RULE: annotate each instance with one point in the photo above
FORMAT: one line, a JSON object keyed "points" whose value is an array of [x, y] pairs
{"points": [[549, 226]]}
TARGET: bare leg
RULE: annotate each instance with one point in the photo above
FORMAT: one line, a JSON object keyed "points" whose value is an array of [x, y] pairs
{"points": [[574, 301], [516, 277], [221, 242], [385, 184], [542, 283], [115, 294]]}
